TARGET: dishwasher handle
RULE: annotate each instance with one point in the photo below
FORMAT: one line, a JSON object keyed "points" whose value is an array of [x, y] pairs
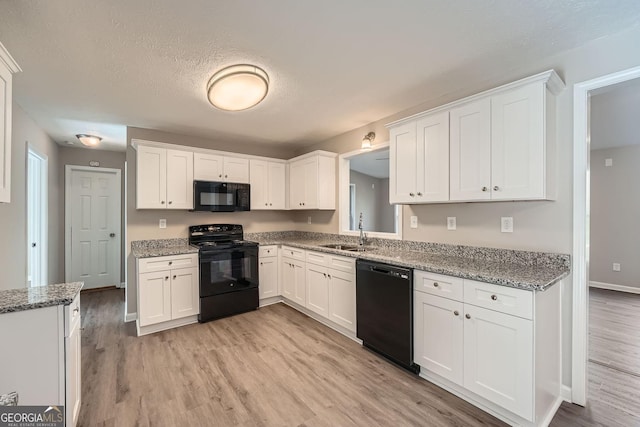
{"points": [[387, 272]]}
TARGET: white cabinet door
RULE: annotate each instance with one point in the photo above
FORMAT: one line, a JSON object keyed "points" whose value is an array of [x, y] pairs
{"points": [[296, 185], [300, 295], [268, 274], [311, 180], [236, 169], [73, 365], [498, 359], [438, 335], [518, 144], [259, 181], [151, 178], [277, 185], [317, 290], [185, 298], [208, 167], [287, 272], [342, 299], [403, 162], [470, 161], [5, 132], [433, 158], [179, 178], [154, 297]]}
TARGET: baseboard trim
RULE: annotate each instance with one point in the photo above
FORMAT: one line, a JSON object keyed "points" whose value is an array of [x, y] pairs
{"points": [[614, 287], [565, 393], [130, 317], [123, 285]]}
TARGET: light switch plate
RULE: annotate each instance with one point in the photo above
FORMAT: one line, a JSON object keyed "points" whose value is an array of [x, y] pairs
{"points": [[414, 221], [616, 266], [608, 162], [506, 224], [451, 223], [163, 223]]}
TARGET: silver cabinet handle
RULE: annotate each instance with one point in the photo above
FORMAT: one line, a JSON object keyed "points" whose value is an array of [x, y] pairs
{"points": [[468, 316], [455, 313], [270, 204], [261, 263], [329, 276], [435, 284], [75, 310], [496, 188], [174, 277], [225, 176], [220, 176], [170, 262], [170, 202], [110, 235], [494, 297], [162, 202], [412, 195], [324, 274], [484, 188], [419, 194], [266, 204], [166, 277]]}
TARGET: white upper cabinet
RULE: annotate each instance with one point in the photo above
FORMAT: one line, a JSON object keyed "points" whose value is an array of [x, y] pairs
{"points": [[268, 184], [312, 181], [215, 167], [164, 178], [471, 151], [419, 161], [499, 145], [8, 67]]}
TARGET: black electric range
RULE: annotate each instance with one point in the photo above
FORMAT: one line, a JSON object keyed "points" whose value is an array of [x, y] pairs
{"points": [[228, 270]]}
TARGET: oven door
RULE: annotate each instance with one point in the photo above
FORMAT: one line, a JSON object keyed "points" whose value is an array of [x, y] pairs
{"points": [[228, 270]]}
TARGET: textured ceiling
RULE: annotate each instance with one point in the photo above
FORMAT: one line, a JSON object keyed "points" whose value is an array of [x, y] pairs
{"points": [[615, 115], [334, 65]]}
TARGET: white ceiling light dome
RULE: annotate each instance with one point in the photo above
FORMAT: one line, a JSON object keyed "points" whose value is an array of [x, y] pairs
{"points": [[238, 87]]}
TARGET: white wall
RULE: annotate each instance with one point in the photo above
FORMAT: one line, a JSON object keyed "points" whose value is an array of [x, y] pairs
{"points": [[13, 224], [615, 210]]}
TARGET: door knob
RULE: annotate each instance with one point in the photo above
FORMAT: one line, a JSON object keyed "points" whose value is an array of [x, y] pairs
{"points": [[494, 297], [456, 313], [110, 235], [468, 316]]}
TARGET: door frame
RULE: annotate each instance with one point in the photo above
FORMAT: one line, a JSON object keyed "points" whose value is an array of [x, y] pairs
{"points": [[67, 218], [581, 200], [44, 218]]}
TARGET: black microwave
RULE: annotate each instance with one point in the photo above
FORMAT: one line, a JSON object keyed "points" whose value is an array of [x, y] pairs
{"points": [[212, 196]]}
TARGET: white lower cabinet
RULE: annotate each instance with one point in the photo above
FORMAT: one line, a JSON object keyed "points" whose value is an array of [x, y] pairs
{"points": [[318, 289], [268, 271], [168, 292], [496, 346], [293, 280], [44, 362]]}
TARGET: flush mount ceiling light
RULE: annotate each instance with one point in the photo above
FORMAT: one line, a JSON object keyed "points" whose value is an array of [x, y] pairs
{"points": [[238, 87], [89, 140], [367, 140]]}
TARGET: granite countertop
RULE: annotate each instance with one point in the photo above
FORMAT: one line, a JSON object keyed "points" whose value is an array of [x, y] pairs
{"points": [[532, 276], [161, 247], [12, 300]]}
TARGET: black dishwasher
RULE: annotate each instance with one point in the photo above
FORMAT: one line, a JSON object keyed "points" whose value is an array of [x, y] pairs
{"points": [[384, 301]]}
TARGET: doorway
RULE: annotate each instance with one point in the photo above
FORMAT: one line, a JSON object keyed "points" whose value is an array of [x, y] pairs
{"points": [[92, 226], [37, 218], [581, 225]]}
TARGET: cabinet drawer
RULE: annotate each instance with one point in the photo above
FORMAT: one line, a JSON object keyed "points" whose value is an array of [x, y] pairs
{"points": [[147, 265], [348, 265], [438, 284], [294, 253], [267, 251], [71, 316], [317, 258], [517, 302]]}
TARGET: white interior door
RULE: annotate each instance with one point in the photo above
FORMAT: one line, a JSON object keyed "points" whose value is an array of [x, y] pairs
{"points": [[93, 226], [36, 218]]}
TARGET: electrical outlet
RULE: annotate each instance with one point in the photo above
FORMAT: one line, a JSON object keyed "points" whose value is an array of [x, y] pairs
{"points": [[308, 220], [506, 224], [608, 162], [616, 266], [414, 221], [163, 223], [451, 223]]}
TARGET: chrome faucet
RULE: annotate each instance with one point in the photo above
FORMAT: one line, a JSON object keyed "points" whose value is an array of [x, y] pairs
{"points": [[363, 236]]}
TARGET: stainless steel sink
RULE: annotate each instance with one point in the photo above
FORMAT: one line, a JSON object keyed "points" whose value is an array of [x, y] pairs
{"points": [[348, 248]]}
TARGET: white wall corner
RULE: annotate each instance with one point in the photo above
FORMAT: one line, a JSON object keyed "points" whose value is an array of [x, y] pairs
{"points": [[565, 393]]}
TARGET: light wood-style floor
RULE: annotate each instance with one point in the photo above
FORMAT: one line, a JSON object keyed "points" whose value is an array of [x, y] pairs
{"points": [[613, 395], [277, 367]]}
